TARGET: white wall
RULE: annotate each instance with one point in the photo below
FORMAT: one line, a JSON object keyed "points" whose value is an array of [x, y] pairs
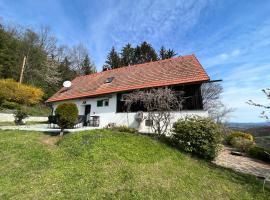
{"points": [[6, 117], [108, 114]]}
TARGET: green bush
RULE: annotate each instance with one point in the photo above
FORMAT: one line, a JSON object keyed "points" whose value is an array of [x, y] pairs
{"points": [[238, 134], [10, 105], [260, 153], [242, 143], [19, 93], [124, 128], [19, 115], [197, 135], [67, 115]]}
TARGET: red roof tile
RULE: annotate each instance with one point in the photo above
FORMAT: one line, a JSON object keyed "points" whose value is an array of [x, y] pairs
{"points": [[179, 70]]}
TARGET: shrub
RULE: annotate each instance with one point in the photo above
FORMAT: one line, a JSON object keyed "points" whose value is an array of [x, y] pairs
{"points": [[260, 153], [67, 115], [241, 143], [19, 93], [19, 115], [10, 105], [124, 128], [238, 134], [197, 135]]}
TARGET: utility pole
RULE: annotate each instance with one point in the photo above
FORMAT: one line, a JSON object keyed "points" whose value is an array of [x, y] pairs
{"points": [[22, 70]]}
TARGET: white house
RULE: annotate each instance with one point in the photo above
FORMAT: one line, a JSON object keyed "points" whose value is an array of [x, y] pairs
{"points": [[99, 96]]}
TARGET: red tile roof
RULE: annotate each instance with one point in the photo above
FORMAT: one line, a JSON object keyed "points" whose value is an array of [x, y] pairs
{"points": [[174, 71]]}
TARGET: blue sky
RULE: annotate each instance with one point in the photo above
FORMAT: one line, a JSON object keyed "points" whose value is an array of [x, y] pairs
{"points": [[230, 38]]}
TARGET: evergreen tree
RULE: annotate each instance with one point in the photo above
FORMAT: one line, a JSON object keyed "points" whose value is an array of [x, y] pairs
{"points": [[162, 53], [87, 66], [165, 54], [127, 55], [145, 53], [113, 60], [66, 73]]}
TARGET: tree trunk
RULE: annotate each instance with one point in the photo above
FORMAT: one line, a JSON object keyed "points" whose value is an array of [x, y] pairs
{"points": [[61, 133], [22, 69]]}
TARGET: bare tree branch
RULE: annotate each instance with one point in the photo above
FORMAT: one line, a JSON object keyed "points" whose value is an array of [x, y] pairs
{"points": [[159, 104]]}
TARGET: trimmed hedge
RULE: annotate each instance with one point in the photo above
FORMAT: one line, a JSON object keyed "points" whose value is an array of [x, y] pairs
{"points": [[260, 153], [13, 91], [67, 115], [197, 135]]}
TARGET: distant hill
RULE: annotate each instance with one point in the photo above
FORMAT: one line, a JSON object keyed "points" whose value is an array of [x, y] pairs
{"points": [[244, 126], [260, 131]]}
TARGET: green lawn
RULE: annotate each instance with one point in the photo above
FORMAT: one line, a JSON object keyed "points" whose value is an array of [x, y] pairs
{"points": [[110, 165], [35, 110]]}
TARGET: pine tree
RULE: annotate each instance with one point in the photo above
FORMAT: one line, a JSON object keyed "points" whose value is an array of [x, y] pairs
{"points": [[127, 55], [87, 66], [147, 53], [162, 53], [165, 54], [113, 60], [65, 72]]}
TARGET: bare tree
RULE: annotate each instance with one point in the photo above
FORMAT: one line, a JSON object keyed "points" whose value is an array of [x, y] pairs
{"points": [[263, 114], [77, 55], [159, 104], [211, 95]]}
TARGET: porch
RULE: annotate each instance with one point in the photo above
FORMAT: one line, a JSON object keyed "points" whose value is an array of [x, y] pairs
{"points": [[82, 121]]}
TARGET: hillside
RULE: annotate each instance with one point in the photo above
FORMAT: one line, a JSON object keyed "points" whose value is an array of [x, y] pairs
{"points": [[111, 165], [260, 131]]}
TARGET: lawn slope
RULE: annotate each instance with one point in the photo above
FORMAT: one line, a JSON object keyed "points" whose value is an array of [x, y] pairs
{"points": [[103, 164]]}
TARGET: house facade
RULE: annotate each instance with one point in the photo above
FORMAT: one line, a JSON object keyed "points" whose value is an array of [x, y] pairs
{"points": [[99, 96]]}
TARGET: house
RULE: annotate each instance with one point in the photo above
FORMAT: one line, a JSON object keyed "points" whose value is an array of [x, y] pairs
{"points": [[99, 96]]}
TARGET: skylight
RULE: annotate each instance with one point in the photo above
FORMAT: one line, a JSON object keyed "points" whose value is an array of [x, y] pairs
{"points": [[109, 80]]}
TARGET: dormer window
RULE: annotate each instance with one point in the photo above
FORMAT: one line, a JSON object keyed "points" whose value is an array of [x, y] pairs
{"points": [[109, 80]]}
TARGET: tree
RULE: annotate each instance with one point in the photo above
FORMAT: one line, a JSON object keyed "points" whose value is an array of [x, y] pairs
{"points": [[166, 54], [87, 66], [263, 114], [113, 60], [159, 104], [145, 53], [76, 56], [211, 96], [65, 72], [127, 55]]}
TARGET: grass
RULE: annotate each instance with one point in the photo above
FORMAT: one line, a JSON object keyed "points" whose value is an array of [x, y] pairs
{"points": [[35, 110], [102, 164]]}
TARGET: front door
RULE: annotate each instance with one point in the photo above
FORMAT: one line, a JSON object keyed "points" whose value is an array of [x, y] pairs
{"points": [[87, 111]]}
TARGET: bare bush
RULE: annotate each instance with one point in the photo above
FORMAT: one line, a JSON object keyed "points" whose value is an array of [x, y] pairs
{"points": [[159, 104]]}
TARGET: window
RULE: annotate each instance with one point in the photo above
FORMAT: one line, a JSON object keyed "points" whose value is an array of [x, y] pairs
{"points": [[103, 102], [99, 103], [148, 122], [109, 80], [106, 102]]}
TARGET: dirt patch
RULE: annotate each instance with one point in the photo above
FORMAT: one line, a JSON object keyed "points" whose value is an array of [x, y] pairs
{"points": [[49, 140]]}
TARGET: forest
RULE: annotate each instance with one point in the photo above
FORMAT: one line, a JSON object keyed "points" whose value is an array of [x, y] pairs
{"points": [[34, 57]]}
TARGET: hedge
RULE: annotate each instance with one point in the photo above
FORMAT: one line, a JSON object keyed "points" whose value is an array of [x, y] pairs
{"points": [[67, 115], [197, 135]]}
